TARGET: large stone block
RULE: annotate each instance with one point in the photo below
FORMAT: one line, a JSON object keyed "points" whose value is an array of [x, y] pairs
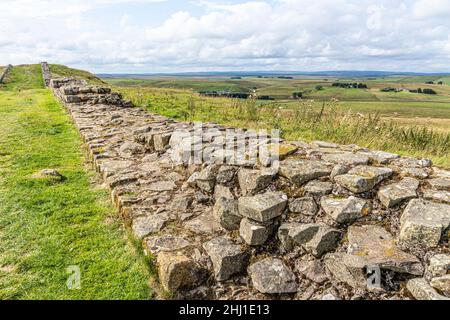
{"points": [[263, 207]]}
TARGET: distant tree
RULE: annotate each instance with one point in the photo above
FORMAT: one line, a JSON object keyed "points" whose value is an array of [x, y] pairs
{"points": [[429, 91], [419, 90], [440, 82], [319, 87], [297, 95]]}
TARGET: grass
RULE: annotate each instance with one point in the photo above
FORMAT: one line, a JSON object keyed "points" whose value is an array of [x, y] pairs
{"points": [[47, 226], [23, 77], [60, 71], [301, 120]]}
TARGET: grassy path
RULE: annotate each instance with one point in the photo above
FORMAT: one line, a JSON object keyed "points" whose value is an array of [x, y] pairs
{"points": [[45, 226]]}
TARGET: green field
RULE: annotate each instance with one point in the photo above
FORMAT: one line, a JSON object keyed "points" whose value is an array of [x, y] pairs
{"points": [[403, 107], [46, 225]]}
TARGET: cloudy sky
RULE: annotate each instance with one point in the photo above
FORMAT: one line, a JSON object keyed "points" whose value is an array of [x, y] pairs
{"points": [[174, 35]]}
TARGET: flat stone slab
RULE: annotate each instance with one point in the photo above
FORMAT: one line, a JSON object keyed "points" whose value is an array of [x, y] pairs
{"points": [[263, 207], [346, 158], [437, 196], [325, 240], [272, 276], [419, 173], [316, 238], [317, 188], [227, 258], [423, 222], [377, 247], [272, 152], [412, 162], [345, 210], [301, 171], [204, 223], [305, 205], [347, 268], [363, 178], [145, 225], [252, 181], [162, 186], [422, 290], [393, 194], [440, 184], [155, 244], [380, 157]]}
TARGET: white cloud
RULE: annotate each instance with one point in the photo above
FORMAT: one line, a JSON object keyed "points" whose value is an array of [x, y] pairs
{"points": [[283, 34]]}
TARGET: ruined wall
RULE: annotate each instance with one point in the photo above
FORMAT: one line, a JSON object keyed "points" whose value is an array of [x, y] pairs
{"points": [[4, 73], [301, 221], [46, 75]]}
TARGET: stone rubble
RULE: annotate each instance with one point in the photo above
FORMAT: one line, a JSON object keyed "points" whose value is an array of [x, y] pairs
{"points": [[252, 230]]}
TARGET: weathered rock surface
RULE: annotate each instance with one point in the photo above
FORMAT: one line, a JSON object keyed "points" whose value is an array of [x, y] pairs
{"points": [[317, 188], [440, 184], [204, 223], [177, 272], [156, 244], [227, 258], [272, 276], [442, 284], [439, 265], [263, 207], [301, 171], [316, 238], [395, 193], [253, 232], [252, 181], [377, 247], [423, 222], [344, 210], [143, 226], [421, 290], [347, 268], [363, 178], [227, 214], [304, 205], [346, 158], [438, 196]]}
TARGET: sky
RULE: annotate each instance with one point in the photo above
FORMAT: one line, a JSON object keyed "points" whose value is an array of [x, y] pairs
{"points": [[147, 36]]}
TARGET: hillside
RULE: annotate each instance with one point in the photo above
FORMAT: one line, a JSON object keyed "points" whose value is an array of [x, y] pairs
{"points": [[60, 71]]}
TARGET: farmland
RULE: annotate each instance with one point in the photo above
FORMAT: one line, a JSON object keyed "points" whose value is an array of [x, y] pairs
{"points": [[402, 106], [404, 122]]}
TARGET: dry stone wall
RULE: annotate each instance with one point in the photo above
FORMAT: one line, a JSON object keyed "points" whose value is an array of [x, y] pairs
{"points": [[304, 221], [5, 73]]}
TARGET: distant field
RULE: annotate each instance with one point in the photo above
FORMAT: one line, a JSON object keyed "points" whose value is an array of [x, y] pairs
{"points": [[402, 107], [309, 120]]}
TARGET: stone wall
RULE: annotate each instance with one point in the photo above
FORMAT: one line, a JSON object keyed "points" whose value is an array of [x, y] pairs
{"points": [[46, 75], [4, 73], [303, 221]]}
